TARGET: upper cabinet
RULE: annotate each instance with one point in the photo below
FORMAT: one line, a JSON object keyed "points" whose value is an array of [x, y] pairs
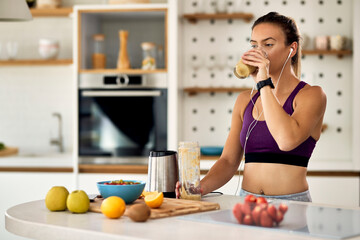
{"points": [[143, 23]]}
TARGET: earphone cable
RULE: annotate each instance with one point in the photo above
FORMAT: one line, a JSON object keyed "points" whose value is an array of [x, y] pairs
{"points": [[250, 128]]}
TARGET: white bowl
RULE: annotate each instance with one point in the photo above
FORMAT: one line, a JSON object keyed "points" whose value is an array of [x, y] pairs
{"points": [[48, 48]]}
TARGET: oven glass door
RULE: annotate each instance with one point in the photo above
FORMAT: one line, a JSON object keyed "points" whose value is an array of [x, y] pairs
{"points": [[122, 122]]}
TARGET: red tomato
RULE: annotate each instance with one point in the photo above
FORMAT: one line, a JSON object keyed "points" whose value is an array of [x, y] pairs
{"points": [[250, 198], [248, 220], [271, 209], [237, 212], [261, 200], [265, 219], [283, 208]]}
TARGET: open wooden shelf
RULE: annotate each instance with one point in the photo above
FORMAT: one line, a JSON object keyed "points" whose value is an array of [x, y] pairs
{"points": [[193, 18], [51, 12], [125, 71], [339, 53], [195, 90], [37, 62]]}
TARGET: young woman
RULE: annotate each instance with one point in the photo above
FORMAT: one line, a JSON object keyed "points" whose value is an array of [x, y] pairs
{"points": [[277, 126]]}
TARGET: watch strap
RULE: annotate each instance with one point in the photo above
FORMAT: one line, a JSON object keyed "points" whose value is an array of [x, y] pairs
{"points": [[263, 83]]}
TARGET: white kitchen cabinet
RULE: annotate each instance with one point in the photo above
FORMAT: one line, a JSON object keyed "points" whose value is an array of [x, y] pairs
{"points": [[342, 191], [21, 187]]}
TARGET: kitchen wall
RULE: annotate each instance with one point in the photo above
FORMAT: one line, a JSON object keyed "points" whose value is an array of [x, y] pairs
{"points": [[30, 94]]}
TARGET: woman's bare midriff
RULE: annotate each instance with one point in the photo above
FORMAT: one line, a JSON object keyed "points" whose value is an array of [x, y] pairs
{"points": [[274, 179]]}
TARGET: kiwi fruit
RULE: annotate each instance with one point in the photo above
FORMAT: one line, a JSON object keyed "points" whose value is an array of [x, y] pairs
{"points": [[139, 212]]}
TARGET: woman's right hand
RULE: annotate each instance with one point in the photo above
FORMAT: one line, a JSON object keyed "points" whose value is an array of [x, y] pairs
{"points": [[198, 190], [257, 58]]}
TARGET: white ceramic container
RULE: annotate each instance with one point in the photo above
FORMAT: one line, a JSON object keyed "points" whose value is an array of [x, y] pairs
{"points": [[48, 48]]}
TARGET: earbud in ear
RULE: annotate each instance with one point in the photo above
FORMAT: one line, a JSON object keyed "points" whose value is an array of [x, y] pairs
{"points": [[291, 50]]}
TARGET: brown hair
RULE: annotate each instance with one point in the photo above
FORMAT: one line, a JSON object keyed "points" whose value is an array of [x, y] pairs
{"points": [[291, 31]]}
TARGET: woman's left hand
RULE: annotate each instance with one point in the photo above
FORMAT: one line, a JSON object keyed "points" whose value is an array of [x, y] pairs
{"points": [[257, 58]]}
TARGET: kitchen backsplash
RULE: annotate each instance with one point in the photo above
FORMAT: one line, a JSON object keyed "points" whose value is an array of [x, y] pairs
{"points": [[28, 98]]}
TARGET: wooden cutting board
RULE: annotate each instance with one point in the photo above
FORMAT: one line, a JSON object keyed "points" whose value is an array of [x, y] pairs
{"points": [[170, 207], [8, 151]]}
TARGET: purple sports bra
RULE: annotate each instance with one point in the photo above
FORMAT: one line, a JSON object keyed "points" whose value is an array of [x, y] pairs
{"points": [[262, 147]]}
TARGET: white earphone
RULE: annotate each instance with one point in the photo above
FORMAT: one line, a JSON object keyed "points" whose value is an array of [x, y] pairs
{"points": [[291, 50]]}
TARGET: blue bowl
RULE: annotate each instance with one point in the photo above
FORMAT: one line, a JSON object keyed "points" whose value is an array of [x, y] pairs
{"points": [[128, 193], [211, 151]]}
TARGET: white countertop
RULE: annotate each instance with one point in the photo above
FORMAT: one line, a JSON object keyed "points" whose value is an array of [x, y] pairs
{"points": [[34, 221], [52, 160]]}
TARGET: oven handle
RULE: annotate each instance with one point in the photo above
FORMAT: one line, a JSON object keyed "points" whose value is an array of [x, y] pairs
{"points": [[121, 93]]}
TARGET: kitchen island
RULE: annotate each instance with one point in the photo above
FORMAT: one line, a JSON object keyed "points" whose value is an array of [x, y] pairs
{"points": [[303, 221]]}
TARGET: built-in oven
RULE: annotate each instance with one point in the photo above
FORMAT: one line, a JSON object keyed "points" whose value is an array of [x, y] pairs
{"points": [[121, 119]]}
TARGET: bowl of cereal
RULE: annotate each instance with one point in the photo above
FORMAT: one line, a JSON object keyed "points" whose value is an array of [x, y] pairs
{"points": [[128, 190]]}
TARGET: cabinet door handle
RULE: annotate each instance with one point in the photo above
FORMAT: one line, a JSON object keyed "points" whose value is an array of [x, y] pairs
{"points": [[121, 93]]}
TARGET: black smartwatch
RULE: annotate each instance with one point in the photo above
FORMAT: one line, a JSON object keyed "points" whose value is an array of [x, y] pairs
{"points": [[264, 83]]}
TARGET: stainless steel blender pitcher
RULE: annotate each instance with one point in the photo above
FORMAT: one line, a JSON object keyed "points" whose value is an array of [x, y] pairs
{"points": [[163, 172]]}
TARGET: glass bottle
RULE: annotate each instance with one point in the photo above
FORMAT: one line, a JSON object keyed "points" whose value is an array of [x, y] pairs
{"points": [[149, 55], [189, 170], [98, 57]]}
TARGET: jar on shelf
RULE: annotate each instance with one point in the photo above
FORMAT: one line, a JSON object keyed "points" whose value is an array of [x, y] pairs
{"points": [[189, 170], [149, 56], [48, 3], [98, 56]]}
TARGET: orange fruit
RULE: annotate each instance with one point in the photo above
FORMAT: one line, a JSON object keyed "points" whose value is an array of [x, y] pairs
{"points": [[145, 193], [154, 200], [113, 207]]}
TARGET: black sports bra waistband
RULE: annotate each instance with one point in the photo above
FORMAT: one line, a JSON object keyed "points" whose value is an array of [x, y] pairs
{"points": [[287, 159]]}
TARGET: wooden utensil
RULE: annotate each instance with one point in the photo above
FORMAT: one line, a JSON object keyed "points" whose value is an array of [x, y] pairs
{"points": [[123, 59], [8, 151]]}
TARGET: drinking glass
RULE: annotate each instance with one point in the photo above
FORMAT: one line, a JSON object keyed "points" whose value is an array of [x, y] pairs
{"points": [[195, 61], [12, 49], [221, 6], [189, 170], [211, 61], [231, 60], [210, 6]]}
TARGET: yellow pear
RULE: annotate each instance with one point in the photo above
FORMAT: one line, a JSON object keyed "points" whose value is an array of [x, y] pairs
{"points": [[55, 199], [78, 202]]}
